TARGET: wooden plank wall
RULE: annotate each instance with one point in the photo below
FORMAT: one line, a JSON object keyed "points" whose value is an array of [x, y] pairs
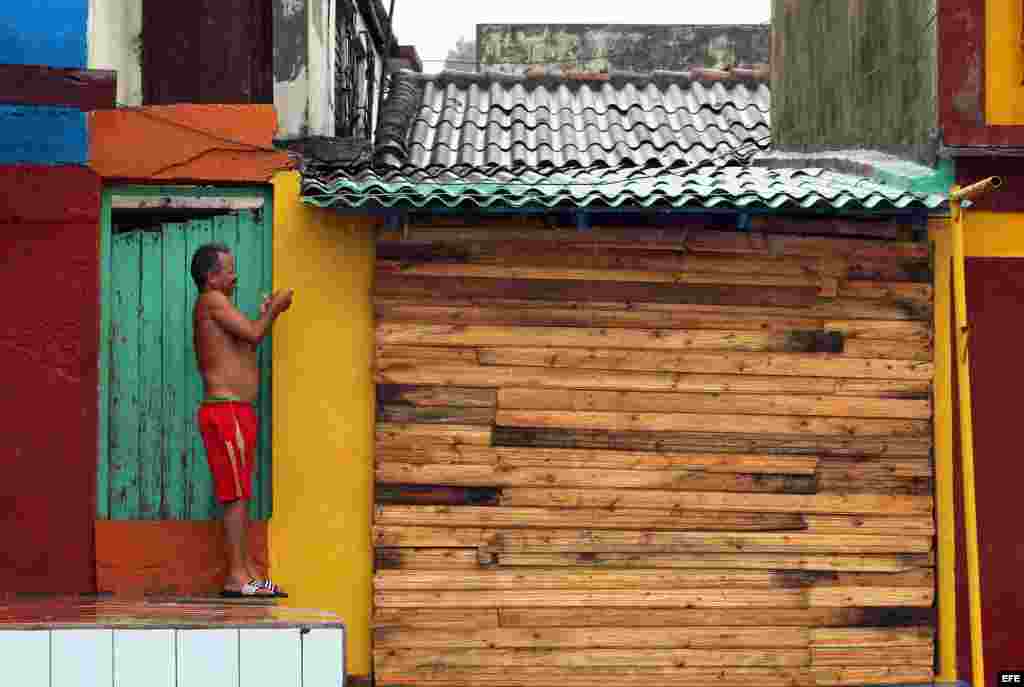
{"points": [[656, 457]]}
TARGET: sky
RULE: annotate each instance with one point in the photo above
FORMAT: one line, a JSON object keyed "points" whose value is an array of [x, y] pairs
{"points": [[435, 26]]}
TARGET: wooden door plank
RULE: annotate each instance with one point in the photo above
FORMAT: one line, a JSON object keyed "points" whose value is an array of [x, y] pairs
{"points": [[126, 260], [201, 502], [153, 461], [260, 227], [177, 339]]}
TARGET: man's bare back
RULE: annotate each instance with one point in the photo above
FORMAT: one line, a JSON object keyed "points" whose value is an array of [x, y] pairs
{"points": [[225, 339]]}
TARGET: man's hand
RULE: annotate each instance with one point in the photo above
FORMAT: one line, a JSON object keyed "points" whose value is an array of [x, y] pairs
{"points": [[280, 301], [265, 305]]}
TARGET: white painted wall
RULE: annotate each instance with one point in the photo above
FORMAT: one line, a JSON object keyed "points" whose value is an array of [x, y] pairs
{"points": [[98, 657], [115, 42], [321, 61]]}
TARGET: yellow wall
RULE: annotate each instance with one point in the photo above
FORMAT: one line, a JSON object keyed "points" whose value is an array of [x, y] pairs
{"points": [[323, 407], [993, 234], [1004, 62]]}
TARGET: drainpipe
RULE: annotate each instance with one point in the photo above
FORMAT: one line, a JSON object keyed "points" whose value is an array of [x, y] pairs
{"points": [[958, 199]]}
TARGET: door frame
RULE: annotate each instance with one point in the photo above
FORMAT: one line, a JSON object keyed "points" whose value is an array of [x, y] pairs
{"points": [[177, 197]]}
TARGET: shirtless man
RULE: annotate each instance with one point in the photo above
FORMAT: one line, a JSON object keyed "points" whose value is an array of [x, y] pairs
{"points": [[225, 343]]}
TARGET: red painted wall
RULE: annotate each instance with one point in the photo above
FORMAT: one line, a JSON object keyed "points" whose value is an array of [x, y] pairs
{"points": [[995, 291], [49, 325]]}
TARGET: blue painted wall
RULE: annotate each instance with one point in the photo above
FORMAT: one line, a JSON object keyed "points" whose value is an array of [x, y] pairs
{"points": [[51, 32], [43, 135]]}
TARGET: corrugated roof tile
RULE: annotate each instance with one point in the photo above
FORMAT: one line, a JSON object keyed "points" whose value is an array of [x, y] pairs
{"points": [[670, 140]]}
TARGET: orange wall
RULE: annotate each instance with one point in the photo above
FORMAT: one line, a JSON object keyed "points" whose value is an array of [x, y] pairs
{"points": [[183, 143], [135, 557]]}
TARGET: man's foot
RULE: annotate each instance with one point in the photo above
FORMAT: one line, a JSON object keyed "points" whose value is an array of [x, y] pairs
{"points": [[274, 590], [233, 589]]}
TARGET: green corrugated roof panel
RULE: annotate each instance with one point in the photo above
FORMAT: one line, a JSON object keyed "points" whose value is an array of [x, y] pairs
{"points": [[726, 187]]}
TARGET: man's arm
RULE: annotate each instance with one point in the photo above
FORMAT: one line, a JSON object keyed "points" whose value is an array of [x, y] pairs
{"points": [[224, 313]]}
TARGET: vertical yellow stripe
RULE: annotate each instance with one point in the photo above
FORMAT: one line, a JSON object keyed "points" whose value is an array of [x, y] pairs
{"points": [[945, 513], [240, 440]]}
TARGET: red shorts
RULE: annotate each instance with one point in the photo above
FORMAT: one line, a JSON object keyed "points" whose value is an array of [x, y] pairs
{"points": [[229, 430]]}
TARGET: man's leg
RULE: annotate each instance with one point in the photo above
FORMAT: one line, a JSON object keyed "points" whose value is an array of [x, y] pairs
{"points": [[236, 530]]}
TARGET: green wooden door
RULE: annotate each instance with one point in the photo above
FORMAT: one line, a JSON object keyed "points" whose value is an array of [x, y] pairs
{"points": [[155, 466]]}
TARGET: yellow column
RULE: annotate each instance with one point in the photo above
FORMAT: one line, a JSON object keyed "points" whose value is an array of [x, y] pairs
{"points": [[323, 413]]}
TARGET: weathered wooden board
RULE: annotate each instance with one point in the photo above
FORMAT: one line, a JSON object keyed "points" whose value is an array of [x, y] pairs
{"points": [[658, 456], [664, 578], [628, 676], [601, 618], [706, 422], [791, 341], [417, 637], [585, 518], [441, 659], [662, 598], [399, 366], [791, 364], [823, 504], [557, 315], [512, 398], [425, 288], [884, 563], [389, 452], [505, 476], [824, 446]]}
